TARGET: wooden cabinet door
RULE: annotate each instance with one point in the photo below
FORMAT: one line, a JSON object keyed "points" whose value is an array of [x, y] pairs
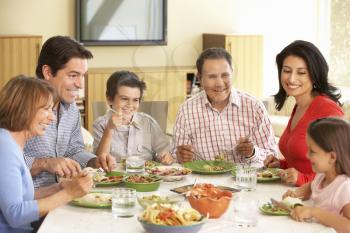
{"points": [[18, 55]]}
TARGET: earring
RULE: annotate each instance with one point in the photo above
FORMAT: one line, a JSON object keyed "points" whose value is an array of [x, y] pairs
{"points": [[314, 86]]}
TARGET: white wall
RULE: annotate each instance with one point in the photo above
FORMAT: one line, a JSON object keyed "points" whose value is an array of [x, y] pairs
{"points": [[281, 22]]}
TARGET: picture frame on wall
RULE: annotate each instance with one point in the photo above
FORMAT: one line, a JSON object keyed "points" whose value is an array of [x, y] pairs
{"points": [[121, 22]]}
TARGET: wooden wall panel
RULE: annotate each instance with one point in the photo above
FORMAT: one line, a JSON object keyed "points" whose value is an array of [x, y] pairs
{"points": [[18, 55]]}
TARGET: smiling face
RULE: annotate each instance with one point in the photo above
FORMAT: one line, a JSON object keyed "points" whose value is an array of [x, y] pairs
{"points": [[216, 80], [295, 77], [321, 161], [68, 80], [42, 119], [127, 100]]}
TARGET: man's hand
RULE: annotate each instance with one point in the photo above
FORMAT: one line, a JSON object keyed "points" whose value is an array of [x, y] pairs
{"points": [[272, 161], [166, 159], [61, 166], [289, 176], [184, 153], [104, 160], [245, 147]]}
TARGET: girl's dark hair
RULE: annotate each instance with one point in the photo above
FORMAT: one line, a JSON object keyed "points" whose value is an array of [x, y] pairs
{"points": [[57, 51], [333, 135], [123, 78], [316, 66]]}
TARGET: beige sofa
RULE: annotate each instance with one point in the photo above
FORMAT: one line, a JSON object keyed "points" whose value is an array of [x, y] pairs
{"points": [[279, 119]]}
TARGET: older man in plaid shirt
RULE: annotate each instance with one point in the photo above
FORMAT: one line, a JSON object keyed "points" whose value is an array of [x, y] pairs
{"points": [[221, 120], [60, 152]]}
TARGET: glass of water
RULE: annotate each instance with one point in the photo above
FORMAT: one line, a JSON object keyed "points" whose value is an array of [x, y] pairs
{"points": [[135, 164], [246, 176], [245, 210], [123, 202]]}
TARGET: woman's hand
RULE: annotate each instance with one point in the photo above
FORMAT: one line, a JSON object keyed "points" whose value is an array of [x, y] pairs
{"points": [[289, 176], [272, 161], [79, 185]]}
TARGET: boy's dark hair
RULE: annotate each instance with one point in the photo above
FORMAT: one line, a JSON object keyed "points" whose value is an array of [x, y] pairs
{"points": [[333, 135], [123, 78], [57, 51]]}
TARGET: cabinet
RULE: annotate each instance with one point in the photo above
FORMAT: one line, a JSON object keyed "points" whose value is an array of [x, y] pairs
{"points": [[18, 55], [247, 59]]}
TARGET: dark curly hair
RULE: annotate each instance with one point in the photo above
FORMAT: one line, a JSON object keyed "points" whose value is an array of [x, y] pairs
{"points": [[316, 66]]}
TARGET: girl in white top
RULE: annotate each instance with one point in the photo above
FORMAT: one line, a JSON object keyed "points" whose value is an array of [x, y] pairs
{"points": [[123, 131], [328, 142]]}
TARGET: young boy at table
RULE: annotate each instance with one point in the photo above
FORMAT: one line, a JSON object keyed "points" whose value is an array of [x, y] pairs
{"points": [[123, 131], [329, 152]]}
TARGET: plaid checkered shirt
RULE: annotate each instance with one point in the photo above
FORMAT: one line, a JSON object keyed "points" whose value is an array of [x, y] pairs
{"points": [[211, 132]]}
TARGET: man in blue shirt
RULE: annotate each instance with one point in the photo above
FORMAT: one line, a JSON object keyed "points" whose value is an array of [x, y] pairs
{"points": [[60, 152]]}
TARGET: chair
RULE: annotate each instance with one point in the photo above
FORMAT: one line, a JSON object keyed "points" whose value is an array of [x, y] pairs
{"points": [[157, 109]]}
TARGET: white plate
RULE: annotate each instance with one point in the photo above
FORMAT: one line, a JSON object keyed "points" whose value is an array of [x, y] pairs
{"points": [[168, 173]]}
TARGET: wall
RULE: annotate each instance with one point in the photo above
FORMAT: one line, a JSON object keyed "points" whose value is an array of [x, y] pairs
{"points": [[281, 21]]}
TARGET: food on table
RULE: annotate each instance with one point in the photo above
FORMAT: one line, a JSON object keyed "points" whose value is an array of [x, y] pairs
{"points": [[151, 164], [213, 167], [265, 174], [168, 215], [101, 178], [142, 179], [171, 171], [96, 198], [157, 199], [292, 201], [271, 209], [219, 157], [209, 200]]}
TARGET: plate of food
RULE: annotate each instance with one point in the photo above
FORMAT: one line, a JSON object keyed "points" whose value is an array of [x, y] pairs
{"points": [[265, 175], [169, 173], [270, 209], [150, 199], [95, 199], [143, 183], [108, 179], [283, 207], [171, 219], [151, 164], [209, 167]]}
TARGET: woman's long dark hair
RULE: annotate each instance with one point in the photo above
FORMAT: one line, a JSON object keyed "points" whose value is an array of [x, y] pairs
{"points": [[317, 68]]}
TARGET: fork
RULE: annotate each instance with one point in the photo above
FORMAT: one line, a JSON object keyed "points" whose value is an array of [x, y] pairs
{"points": [[197, 155]]}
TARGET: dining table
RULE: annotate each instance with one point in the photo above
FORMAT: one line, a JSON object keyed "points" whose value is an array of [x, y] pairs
{"points": [[74, 219]]}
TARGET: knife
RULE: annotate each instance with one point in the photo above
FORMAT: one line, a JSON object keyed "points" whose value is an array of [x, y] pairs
{"points": [[281, 205]]}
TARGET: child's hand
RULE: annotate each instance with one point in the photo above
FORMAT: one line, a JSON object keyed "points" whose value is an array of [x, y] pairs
{"points": [[290, 193], [301, 213], [115, 120]]}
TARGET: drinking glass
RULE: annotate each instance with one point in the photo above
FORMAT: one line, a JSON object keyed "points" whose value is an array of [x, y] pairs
{"points": [[123, 202], [245, 211], [246, 176], [135, 164]]}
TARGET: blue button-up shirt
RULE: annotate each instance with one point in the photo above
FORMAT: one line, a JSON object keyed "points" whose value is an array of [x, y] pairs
{"points": [[62, 138]]}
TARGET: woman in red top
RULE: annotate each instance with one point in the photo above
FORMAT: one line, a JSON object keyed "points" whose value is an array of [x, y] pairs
{"points": [[303, 74]]}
